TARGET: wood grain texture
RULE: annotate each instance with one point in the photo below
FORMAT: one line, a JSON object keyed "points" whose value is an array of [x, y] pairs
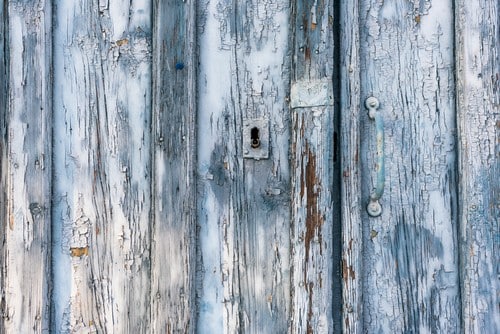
{"points": [[352, 203], [173, 255], [102, 174], [312, 171], [478, 106], [243, 203], [410, 252], [26, 172]]}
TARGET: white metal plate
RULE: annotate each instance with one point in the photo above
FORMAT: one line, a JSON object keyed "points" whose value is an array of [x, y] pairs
{"points": [[311, 93]]}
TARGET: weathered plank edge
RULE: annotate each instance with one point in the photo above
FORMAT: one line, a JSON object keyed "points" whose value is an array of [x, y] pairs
{"points": [[27, 120], [312, 155], [3, 154], [351, 202], [174, 80], [337, 228], [477, 51]]}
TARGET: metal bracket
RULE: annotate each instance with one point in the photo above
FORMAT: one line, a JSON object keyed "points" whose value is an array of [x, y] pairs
{"points": [[256, 139]]}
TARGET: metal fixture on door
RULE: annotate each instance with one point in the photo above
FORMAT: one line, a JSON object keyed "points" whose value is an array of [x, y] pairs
{"points": [[374, 208], [256, 139]]}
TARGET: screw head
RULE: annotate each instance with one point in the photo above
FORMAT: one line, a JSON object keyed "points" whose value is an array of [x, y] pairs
{"points": [[372, 103], [374, 209]]}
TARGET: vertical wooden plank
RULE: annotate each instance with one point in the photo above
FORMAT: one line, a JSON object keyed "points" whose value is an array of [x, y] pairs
{"points": [[478, 106], [4, 65], [410, 252], [26, 170], [312, 166], [351, 201], [102, 174], [243, 203], [173, 254]]}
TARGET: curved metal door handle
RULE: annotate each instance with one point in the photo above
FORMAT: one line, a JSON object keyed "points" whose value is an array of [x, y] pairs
{"points": [[374, 208]]}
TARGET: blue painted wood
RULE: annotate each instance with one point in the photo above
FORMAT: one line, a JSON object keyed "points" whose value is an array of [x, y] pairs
{"points": [[174, 218], [314, 309], [102, 170], [478, 109], [352, 202], [26, 168], [407, 258], [158, 221], [244, 217]]}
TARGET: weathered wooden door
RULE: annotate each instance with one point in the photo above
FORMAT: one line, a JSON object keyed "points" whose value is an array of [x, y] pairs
{"points": [[206, 166], [267, 212], [409, 254], [428, 262]]}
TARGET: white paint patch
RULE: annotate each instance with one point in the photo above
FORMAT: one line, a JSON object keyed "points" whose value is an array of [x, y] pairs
{"points": [[311, 93], [210, 318]]}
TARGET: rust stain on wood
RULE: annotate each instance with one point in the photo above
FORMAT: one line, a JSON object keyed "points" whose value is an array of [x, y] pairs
{"points": [[307, 53], [79, 251], [312, 188], [347, 271], [121, 42], [304, 23]]}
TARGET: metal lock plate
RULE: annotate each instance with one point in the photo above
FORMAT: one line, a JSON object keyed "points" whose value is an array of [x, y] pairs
{"points": [[256, 139]]}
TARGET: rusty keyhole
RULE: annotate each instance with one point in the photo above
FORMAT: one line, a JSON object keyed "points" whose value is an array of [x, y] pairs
{"points": [[254, 137]]}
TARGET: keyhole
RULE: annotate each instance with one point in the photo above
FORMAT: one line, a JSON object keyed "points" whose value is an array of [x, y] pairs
{"points": [[254, 137]]}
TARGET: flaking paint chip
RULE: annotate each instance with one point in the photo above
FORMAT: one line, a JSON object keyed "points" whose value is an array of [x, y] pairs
{"points": [[79, 251]]}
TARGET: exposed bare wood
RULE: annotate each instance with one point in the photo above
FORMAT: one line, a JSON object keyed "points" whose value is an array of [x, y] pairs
{"points": [[312, 167], [478, 106], [410, 253], [26, 167], [243, 203], [173, 255], [102, 84]]}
